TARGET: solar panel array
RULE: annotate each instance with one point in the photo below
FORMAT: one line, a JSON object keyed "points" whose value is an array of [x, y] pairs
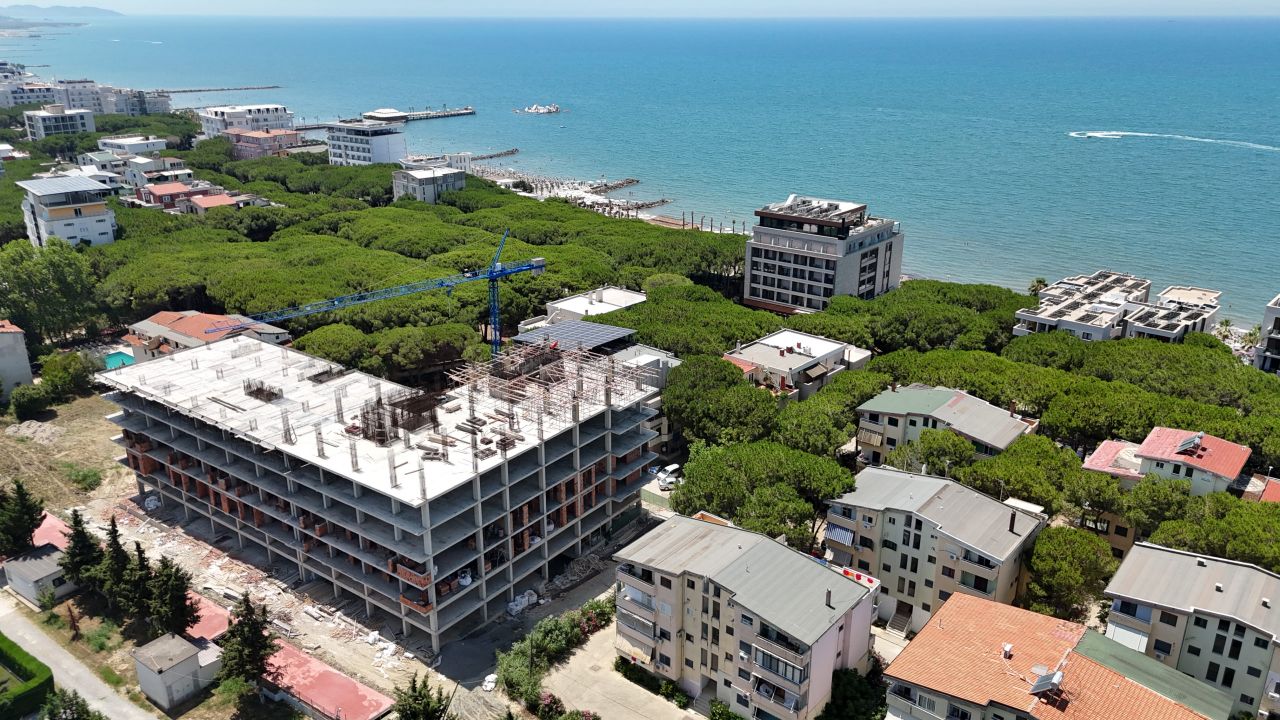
{"points": [[574, 334]]}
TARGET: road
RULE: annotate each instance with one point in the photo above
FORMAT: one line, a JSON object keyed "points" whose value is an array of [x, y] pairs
{"points": [[68, 672]]}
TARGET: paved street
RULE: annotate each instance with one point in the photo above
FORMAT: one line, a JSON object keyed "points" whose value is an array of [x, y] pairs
{"points": [[68, 672], [587, 681]]}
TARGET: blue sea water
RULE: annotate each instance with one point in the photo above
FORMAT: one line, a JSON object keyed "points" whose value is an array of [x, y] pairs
{"points": [[961, 129]]}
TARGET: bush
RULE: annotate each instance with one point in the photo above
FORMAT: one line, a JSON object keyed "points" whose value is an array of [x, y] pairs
{"points": [[721, 711], [85, 478], [521, 669], [550, 707], [101, 638], [29, 695], [110, 676], [654, 684], [28, 401]]}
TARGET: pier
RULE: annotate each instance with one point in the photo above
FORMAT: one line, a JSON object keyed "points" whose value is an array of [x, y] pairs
{"points": [[390, 115], [494, 156], [603, 188], [209, 90]]}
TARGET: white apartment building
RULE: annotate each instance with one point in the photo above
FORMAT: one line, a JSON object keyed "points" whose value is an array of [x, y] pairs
{"points": [[794, 365], [927, 538], [434, 511], [72, 208], [15, 92], [103, 160], [143, 171], [426, 185], [1210, 618], [457, 161], [15, 364], [1266, 357], [806, 250], [82, 94], [132, 144], [57, 120], [1108, 305], [216, 120], [711, 606], [366, 142], [898, 415]]}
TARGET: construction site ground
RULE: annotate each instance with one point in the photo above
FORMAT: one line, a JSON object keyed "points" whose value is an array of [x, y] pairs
{"points": [[335, 631]]}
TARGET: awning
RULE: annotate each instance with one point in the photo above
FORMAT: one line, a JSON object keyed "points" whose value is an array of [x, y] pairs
{"points": [[870, 437], [815, 372], [1127, 636], [838, 534], [628, 649]]}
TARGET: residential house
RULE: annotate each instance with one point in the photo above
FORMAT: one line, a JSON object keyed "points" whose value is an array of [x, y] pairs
{"points": [[898, 415], [1266, 356], [365, 142], [980, 660], [1210, 618], [215, 121], [142, 171], [169, 331], [72, 208], [794, 365], [718, 608], [927, 538], [170, 194], [15, 364], [133, 144], [249, 144]]}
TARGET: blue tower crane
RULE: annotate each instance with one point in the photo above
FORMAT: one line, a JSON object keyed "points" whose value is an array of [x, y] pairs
{"points": [[495, 272]]}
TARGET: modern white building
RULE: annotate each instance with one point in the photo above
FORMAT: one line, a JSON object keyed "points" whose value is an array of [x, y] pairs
{"points": [[763, 627], [214, 121], [806, 250], [1108, 305], [58, 120], [15, 92], [1266, 357], [457, 161], [104, 160], [132, 144], [72, 208], [15, 364], [143, 171], [172, 669], [427, 185], [794, 365], [434, 511], [366, 142]]}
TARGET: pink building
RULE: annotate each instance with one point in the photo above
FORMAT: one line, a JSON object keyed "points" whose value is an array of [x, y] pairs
{"points": [[249, 144], [168, 195]]}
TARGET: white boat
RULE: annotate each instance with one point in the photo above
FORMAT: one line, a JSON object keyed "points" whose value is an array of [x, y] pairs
{"points": [[536, 109]]}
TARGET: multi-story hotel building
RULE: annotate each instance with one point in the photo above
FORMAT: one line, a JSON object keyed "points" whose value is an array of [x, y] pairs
{"points": [[215, 121], [57, 120], [1266, 357], [366, 142], [72, 208], [1213, 619], [927, 538], [714, 607], [435, 511], [806, 250]]}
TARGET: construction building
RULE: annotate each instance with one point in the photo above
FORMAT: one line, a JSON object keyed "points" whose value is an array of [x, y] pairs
{"points": [[434, 510], [806, 250], [979, 660], [714, 607], [1210, 618], [1109, 305], [927, 538], [898, 415]]}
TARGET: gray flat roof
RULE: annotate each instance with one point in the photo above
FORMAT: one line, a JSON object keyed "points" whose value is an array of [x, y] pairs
{"points": [[783, 586], [1187, 582], [35, 564], [978, 521], [573, 334], [165, 652], [56, 185]]}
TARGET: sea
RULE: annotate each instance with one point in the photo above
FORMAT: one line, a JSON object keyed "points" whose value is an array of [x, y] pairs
{"points": [[1008, 149]]}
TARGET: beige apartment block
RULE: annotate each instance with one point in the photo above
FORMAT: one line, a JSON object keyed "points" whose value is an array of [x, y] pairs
{"points": [[721, 610]]}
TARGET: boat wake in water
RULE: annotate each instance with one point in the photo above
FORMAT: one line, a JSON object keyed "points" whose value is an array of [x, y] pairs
{"points": [[1118, 134]]}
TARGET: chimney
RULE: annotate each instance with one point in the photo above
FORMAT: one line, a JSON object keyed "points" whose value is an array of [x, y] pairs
{"points": [[1013, 519], [1013, 409], [1266, 603], [829, 599], [1217, 587], [1007, 651]]}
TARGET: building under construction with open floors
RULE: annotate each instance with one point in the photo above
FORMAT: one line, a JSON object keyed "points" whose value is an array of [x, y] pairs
{"points": [[436, 510]]}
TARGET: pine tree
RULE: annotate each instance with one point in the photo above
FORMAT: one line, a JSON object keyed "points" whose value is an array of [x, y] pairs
{"points": [[68, 705], [247, 644], [172, 609], [110, 573], [20, 515], [418, 702], [82, 554], [137, 581]]}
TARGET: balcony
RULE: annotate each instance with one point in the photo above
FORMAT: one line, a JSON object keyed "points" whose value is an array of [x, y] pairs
{"points": [[417, 601], [644, 575], [786, 699], [411, 572], [773, 640]]}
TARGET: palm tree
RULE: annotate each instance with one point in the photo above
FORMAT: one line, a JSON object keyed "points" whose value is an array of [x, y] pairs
{"points": [[1037, 285], [1253, 336], [1223, 329]]}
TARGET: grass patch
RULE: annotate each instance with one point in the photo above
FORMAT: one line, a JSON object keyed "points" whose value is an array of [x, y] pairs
{"points": [[83, 477], [104, 637], [110, 676]]}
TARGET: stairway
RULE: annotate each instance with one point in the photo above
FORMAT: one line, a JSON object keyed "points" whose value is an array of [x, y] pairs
{"points": [[900, 622]]}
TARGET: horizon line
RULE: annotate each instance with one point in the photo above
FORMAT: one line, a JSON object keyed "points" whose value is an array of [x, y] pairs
{"points": [[742, 18]]}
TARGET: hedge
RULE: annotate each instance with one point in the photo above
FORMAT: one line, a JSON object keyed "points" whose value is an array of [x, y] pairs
{"points": [[37, 680]]}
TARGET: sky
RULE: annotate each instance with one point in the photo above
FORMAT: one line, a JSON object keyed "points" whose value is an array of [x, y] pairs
{"points": [[702, 8]]}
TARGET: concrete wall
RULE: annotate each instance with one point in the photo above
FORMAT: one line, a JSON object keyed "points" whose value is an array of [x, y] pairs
{"points": [[15, 366], [30, 589], [173, 686]]}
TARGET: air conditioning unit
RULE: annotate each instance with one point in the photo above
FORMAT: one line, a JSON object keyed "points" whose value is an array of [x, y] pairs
{"points": [[1161, 656], [743, 656]]}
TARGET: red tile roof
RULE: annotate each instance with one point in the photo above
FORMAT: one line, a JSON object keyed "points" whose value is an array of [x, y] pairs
{"points": [[743, 365], [193, 325], [212, 201], [172, 188], [1272, 491], [1096, 692], [959, 652], [1214, 455], [1103, 459], [324, 688], [8, 327], [52, 531], [214, 619]]}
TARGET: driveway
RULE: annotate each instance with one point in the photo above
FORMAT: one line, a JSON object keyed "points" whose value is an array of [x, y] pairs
{"points": [[68, 672], [587, 681]]}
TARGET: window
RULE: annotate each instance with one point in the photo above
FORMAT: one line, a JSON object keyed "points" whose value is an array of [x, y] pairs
{"points": [[1177, 468], [688, 662], [728, 683], [948, 572], [1160, 465], [1219, 644], [893, 422], [902, 585], [1224, 625], [889, 544], [1212, 674], [1122, 531], [943, 595], [742, 700], [1228, 676], [728, 630], [1260, 642], [864, 566], [1163, 648], [931, 560], [1253, 671], [1234, 652], [911, 422], [866, 542], [928, 583], [886, 567], [873, 418], [925, 607], [868, 520], [665, 582], [1238, 631], [911, 588], [1245, 699], [1168, 618], [1200, 622], [975, 582], [915, 564], [1192, 649], [902, 561], [891, 442], [957, 713], [664, 660], [748, 620], [663, 635], [744, 673], [906, 535], [690, 584]]}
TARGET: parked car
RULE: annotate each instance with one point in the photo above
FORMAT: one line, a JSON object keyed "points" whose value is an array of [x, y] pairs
{"points": [[669, 477]]}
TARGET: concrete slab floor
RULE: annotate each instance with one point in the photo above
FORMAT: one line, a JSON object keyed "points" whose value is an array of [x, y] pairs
{"points": [[887, 644], [587, 681]]}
